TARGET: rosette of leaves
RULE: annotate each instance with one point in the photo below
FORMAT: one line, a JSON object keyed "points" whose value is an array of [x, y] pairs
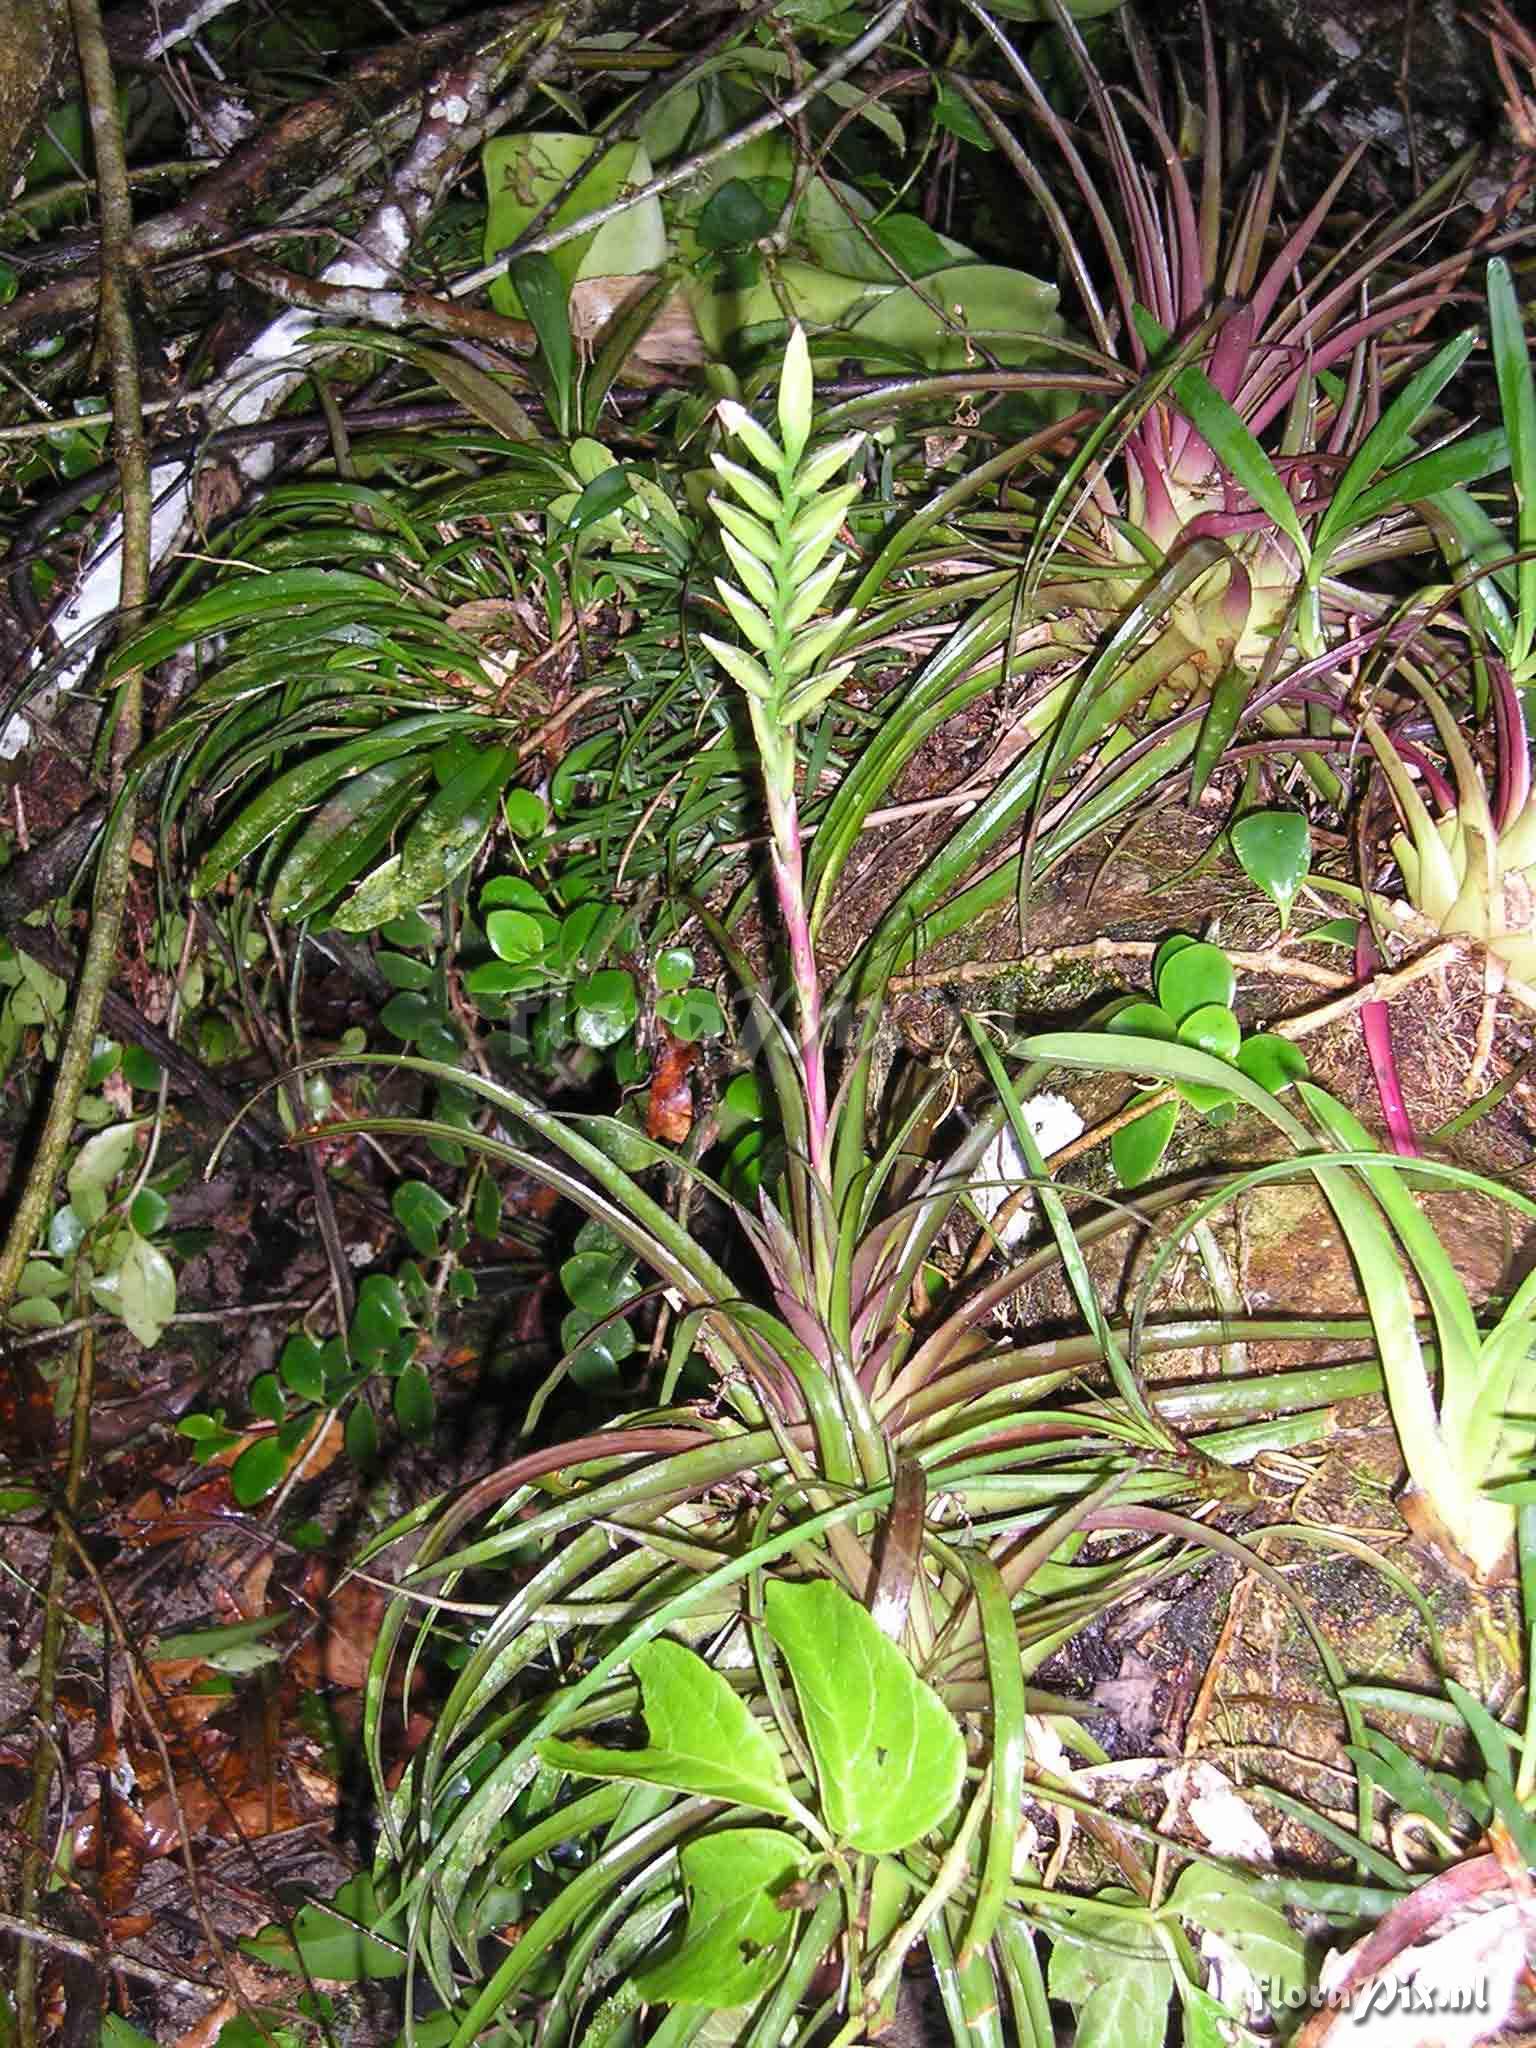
{"points": [[1206, 540], [1468, 865], [1195, 986], [838, 1389]]}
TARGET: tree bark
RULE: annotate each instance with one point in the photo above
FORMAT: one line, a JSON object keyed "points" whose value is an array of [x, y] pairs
{"points": [[34, 52]]}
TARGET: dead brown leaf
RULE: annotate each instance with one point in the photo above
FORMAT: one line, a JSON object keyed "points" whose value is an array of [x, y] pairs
{"points": [[669, 1107]]}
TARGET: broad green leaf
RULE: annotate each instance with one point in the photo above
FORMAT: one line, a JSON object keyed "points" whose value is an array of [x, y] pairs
{"points": [[1113, 1970], [41, 1280], [258, 1471], [522, 172], [599, 1281], [96, 1166], [914, 244], [415, 1408], [512, 892], [737, 1935], [36, 1312], [593, 1356], [380, 1316], [740, 211], [300, 787], [1275, 849], [266, 1399], [606, 1006], [216, 1646], [361, 1435], [421, 1211], [1137, 1147], [1143, 1020], [584, 934], [407, 1015], [514, 935], [1213, 1028], [598, 501], [347, 832], [957, 117], [287, 593], [526, 813], [1012, 313], [1193, 977], [402, 972], [703, 1737], [443, 841], [674, 968], [691, 1013], [140, 1289], [301, 1367], [337, 1940], [496, 978], [890, 1760], [1225, 1905]]}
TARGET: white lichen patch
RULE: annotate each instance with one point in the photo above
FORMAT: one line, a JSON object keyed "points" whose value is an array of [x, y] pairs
{"points": [[452, 107], [1002, 1167]]}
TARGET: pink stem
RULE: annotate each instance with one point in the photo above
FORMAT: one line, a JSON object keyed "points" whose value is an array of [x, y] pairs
{"points": [[789, 886], [1376, 1024]]}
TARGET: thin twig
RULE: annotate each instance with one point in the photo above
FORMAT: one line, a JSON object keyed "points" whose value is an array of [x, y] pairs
{"points": [[111, 895], [114, 1959], [880, 31], [1379, 989], [1274, 962], [299, 1306]]}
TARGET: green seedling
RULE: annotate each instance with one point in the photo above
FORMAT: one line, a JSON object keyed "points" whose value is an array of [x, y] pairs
{"points": [[1195, 986]]}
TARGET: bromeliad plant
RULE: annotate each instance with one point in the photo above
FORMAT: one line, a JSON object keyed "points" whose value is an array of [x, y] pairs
{"points": [[1463, 1412], [1470, 872], [823, 1582], [1272, 434]]}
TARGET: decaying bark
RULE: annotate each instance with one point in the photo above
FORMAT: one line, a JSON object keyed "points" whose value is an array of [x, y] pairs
{"points": [[465, 101], [35, 52], [359, 117]]}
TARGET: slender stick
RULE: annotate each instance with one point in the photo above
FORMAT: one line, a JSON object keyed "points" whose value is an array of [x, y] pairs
{"points": [[107, 910], [880, 30]]}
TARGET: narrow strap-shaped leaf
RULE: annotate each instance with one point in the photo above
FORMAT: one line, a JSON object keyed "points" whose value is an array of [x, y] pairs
{"points": [[1517, 396], [542, 290], [1010, 1751], [1227, 433], [1392, 434]]}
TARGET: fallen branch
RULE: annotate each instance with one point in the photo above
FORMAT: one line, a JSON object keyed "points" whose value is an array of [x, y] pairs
{"points": [[465, 102], [111, 895]]}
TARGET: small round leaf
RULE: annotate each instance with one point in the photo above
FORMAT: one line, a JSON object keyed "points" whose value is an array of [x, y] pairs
{"points": [[1213, 1029], [691, 1013], [1193, 977], [1272, 1061], [258, 1471], [673, 968]]}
